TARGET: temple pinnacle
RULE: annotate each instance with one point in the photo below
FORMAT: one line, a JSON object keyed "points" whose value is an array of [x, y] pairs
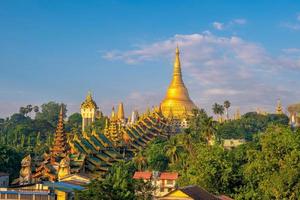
{"points": [[177, 98]]}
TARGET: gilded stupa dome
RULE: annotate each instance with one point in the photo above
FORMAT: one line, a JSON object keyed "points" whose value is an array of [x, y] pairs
{"points": [[177, 103]]}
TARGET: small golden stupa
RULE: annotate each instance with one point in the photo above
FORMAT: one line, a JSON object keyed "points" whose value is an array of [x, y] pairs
{"points": [[177, 102]]}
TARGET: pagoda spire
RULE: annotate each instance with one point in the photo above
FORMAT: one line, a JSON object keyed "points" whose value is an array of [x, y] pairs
{"points": [[177, 75], [121, 115], [60, 145], [113, 114]]}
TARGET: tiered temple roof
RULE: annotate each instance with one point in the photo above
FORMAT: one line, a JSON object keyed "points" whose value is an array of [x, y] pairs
{"points": [[60, 145], [101, 152]]}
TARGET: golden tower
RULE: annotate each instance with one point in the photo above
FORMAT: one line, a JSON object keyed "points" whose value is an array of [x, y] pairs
{"points": [[88, 111], [177, 102]]}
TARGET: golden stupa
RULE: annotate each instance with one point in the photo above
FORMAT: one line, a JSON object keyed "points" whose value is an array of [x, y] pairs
{"points": [[177, 103]]}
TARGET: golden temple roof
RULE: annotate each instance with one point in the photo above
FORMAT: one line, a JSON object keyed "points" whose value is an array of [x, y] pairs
{"points": [[89, 102], [177, 99]]}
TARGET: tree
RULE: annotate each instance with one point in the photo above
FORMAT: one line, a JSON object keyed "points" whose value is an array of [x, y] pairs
{"points": [[173, 149], [155, 155], [50, 112], [209, 129], [140, 160], [227, 104], [273, 170], [22, 110], [36, 109], [10, 161], [74, 123], [218, 109], [117, 185]]}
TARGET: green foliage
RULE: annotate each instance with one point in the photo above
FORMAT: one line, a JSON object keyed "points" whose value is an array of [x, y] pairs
{"points": [[273, 169], [10, 161], [250, 124], [118, 185], [50, 112], [74, 123], [155, 155], [266, 167]]}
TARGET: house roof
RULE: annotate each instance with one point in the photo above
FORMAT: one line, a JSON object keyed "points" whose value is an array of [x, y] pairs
{"points": [[142, 175], [168, 176], [198, 193]]}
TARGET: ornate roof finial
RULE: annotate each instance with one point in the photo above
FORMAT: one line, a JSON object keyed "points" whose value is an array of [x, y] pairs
{"points": [[89, 96], [177, 68], [89, 102]]}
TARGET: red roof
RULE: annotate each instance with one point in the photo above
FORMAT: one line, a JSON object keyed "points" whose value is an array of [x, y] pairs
{"points": [[168, 176], [142, 175]]}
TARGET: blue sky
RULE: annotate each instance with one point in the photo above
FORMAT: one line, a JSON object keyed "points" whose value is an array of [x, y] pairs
{"points": [[244, 51]]}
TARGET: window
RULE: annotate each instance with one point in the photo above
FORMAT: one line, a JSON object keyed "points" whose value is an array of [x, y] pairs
{"points": [[169, 182], [162, 189]]}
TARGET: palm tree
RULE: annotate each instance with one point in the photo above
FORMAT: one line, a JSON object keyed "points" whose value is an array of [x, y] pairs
{"points": [[209, 128], [218, 110], [140, 160], [173, 149], [215, 108], [227, 104], [187, 142]]}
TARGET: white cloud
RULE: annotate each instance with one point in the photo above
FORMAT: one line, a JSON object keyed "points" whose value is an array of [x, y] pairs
{"points": [[239, 21], [222, 26], [218, 25], [293, 25], [218, 68]]}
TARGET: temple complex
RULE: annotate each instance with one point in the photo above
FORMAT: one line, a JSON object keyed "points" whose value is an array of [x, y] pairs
{"points": [[177, 103], [93, 151]]}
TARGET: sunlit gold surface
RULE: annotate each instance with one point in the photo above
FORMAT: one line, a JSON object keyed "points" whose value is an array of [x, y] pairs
{"points": [[177, 102]]}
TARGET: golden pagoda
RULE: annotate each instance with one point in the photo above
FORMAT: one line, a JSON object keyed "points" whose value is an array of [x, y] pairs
{"points": [[177, 102]]}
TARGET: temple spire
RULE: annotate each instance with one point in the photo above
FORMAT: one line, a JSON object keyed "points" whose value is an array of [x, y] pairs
{"points": [[177, 76], [60, 145], [121, 115], [113, 114], [177, 97]]}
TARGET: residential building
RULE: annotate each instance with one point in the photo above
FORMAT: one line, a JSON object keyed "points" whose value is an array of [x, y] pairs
{"points": [[164, 182]]}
